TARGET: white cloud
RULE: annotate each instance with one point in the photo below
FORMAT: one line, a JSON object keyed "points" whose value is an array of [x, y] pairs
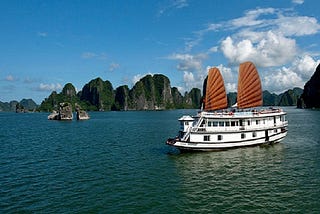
{"points": [[230, 77], [230, 87], [251, 18], [277, 20], [269, 37], [305, 66], [266, 41], [295, 75], [10, 78], [273, 50], [189, 80], [265, 35], [192, 68], [28, 80], [113, 66], [297, 26], [213, 49], [42, 34], [281, 80], [92, 55], [227, 74], [172, 5], [188, 62], [181, 90], [298, 1], [50, 87], [180, 3], [88, 55]]}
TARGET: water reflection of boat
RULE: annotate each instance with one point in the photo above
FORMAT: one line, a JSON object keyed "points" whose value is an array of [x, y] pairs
{"points": [[240, 180], [216, 127]]}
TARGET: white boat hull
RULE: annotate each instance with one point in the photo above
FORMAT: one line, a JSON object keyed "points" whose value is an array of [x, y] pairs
{"points": [[194, 146], [200, 146]]}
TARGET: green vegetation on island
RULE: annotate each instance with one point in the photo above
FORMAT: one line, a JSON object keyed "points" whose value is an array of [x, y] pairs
{"points": [[25, 105], [149, 93]]}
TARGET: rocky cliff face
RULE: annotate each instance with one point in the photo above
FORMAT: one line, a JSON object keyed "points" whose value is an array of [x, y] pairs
{"points": [[64, 112], [232, 98], [25, 105], [290, 97], [121, 100], [68, 94], [193, 99], [311, 93], [98, 93], [177, 98], [151, 93], [69, 90]]}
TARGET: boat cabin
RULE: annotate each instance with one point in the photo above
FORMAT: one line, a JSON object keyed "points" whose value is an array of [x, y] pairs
{"points": [[186, 122]]}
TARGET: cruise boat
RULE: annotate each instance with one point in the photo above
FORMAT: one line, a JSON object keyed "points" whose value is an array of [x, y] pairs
{"points": [[216, 127]]}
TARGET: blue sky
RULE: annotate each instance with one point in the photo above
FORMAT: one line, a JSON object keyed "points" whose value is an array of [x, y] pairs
{"points": [[46, 44]]}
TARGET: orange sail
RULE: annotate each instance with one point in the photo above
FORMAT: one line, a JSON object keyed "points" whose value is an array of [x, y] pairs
{"points": [[249, 86], [215, 93]]}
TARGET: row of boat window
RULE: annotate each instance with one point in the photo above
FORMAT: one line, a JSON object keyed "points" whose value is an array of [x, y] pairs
{"points": [[240, 123], [243, 136], [230, 123]]}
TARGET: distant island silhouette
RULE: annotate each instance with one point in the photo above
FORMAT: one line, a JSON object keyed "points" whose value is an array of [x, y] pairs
{"points": [[154, 92]]}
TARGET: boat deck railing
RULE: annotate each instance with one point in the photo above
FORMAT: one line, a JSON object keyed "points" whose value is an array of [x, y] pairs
{"points": [[241, 113]]}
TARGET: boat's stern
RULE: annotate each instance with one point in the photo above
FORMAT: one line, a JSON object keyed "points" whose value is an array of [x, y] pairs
{"points": [[186, 123]]}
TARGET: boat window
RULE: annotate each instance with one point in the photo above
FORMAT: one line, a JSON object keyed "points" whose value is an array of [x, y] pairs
{"points": [[254, 134], [227, 123], [219, 137], [275, 131], [248, 122], [209, 123], [206, 138], [283, 118], [186, 123], [257, 122], [215, 123], [243, 135], [233, 123], [221, 123]]}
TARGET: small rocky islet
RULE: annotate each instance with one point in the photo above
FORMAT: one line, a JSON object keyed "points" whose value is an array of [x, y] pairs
{"points": [[65, 113]]}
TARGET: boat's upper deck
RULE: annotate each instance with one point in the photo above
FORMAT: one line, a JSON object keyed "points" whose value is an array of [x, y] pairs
{"points": [[242, 113]]}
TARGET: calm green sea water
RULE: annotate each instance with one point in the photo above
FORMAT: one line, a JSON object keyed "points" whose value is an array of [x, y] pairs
{"points": [[117, 162]]}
